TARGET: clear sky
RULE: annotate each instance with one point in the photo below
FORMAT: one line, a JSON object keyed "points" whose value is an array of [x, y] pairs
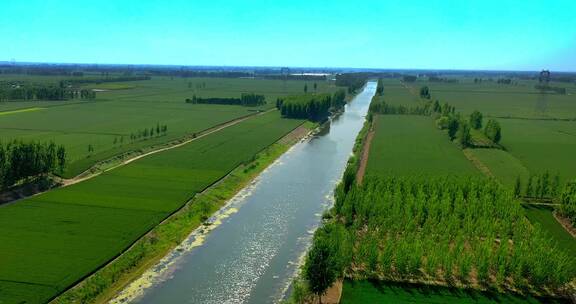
{"points": [[429, 34]]}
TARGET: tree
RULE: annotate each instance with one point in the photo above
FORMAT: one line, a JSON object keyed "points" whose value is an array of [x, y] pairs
{"points": [[517, 187], [453, 126], [315, 87], [319, 270], [380, 87], [464, 137], [493, 131], [476, 120], [305, 88], [568, 202], [436, 107], [425, 92], [529, 188]]}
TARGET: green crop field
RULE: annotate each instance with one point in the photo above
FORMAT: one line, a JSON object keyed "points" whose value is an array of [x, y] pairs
{"points": [[542, 140], [106, 124], [358, 292], [542, 215], [408, 145], [396, 93], [52, 240], [542, 145], [505, 167], [504, 100]]}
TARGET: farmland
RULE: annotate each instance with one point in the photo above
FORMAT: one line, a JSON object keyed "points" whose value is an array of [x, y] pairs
{"points": [[538, 129], [411, 145], [99, 129], [52, 240], [382, 235], [503, 166], [542, 145], [356, 292], [504, 100]]}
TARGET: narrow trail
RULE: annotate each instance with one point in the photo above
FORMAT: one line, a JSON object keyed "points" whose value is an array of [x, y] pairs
{"points": [[365, 154], [88, 174], [478, 164]]}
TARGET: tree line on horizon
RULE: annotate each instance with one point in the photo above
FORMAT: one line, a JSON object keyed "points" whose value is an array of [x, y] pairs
{"points": [[43, 92]]}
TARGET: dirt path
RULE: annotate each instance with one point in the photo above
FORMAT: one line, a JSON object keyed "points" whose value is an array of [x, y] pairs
{"points": [[365, 153], [478, 164], [88, 174], [333, 294], [565, 223]]}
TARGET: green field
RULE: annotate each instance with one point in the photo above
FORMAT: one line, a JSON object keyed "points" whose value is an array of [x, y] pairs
{"points": [[542, 140], [396, 93], [542, 145], [359, 292], [502, 100], [505, 167], [542, 215], [52, 240], [106, 123], [412, 145]]}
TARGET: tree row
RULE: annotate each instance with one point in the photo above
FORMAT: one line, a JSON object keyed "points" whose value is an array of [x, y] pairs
{"points": [[24, 92], [311, 107], [246, 99], [460, 232], [22, 160]]}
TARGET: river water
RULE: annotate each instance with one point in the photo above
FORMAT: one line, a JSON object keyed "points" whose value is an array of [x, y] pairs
{"points": [[252, 255]]}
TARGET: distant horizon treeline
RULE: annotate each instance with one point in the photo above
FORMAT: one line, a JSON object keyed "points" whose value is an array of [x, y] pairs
{"points": [[43, 92], [311, 107], [102, 80], [246, 99], [21, 160]]}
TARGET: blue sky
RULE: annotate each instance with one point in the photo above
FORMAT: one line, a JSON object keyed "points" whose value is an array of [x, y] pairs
{"points": [[487, 34]]}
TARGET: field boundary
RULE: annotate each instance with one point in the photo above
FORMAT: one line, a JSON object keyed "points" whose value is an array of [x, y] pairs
{"points": [[277, 148], [89, 173], [565, 223], [365, 152], [100, 167], [478, 164]]}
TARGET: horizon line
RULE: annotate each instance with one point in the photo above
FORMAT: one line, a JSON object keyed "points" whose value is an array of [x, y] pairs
{"points": [[10, 62]]}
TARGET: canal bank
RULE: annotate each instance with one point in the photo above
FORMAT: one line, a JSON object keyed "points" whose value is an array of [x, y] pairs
{"points": [[253, 249]]}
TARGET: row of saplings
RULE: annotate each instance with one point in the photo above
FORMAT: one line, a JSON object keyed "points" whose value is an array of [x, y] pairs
{"points": [[458, 232], [458, 126], [547, 188], [20, 161]]}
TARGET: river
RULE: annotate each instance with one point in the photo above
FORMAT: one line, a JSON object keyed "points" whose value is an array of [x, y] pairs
{"points": [[259, 238]]}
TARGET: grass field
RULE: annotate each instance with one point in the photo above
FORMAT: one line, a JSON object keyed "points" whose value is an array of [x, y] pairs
{"points": [[396, 93], [541, 140], [359, 292], [505, 167], [52, 240], [542, 215], [494, 99], [106, 123], [542, 145], [412, 145]]}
